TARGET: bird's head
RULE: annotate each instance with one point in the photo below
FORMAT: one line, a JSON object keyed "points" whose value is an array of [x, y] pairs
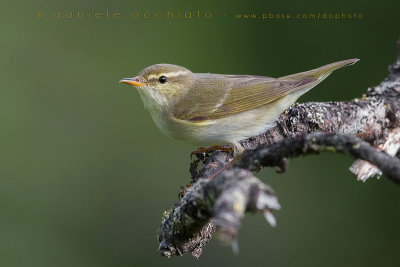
{"points": [[161, 85]]}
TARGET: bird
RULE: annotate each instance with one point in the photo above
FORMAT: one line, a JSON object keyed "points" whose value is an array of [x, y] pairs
{"points": [[216, 110]]}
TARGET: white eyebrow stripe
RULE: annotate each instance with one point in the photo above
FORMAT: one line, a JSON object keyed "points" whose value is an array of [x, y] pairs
{"points": [[168, 74]]}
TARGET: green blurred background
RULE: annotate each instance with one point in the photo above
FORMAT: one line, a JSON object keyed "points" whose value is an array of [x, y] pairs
{"points": [[86, 175]]}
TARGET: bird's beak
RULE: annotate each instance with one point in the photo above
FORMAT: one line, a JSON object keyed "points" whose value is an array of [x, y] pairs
{"points": [[135, 81]]}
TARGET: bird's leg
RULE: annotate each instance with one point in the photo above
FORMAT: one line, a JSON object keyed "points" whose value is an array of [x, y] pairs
{"points": [[238, 150], [184, 189], [204, 150], [228, 165]]}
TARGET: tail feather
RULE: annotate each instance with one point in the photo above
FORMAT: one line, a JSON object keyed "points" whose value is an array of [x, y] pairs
{"points": [[322, 71]]}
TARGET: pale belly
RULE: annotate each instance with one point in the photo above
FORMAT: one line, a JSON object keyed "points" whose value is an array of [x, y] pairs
{"points": [[227, 130]]}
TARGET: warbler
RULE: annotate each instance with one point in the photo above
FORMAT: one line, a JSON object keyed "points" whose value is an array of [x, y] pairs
{"points": [[219, 109]]}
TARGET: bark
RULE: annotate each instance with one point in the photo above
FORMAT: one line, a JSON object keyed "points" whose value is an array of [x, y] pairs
{"points": [[367, 128]]}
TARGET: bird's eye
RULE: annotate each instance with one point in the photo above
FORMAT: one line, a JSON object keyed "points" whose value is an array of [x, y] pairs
{"points": [[162, 79]]}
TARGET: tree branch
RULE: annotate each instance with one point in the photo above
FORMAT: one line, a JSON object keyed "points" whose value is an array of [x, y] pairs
{"points": [[356, 128], [265, 156], [187, 227]]}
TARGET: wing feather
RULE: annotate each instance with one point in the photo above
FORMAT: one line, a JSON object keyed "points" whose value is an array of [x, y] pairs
{"points": [[215, 96]]}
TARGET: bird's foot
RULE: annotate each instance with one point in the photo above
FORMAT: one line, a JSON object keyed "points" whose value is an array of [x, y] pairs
{"points": [[202, 151], [226, 166]]}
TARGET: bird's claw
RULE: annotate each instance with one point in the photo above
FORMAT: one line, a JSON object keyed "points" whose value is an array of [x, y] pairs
{"points": [[202, 151]]}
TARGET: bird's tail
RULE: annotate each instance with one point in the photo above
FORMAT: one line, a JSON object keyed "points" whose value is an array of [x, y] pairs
{"points": [[323, 71]]}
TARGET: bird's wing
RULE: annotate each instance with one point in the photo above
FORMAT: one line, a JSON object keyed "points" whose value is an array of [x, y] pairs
{"points": [[218, 96]]}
